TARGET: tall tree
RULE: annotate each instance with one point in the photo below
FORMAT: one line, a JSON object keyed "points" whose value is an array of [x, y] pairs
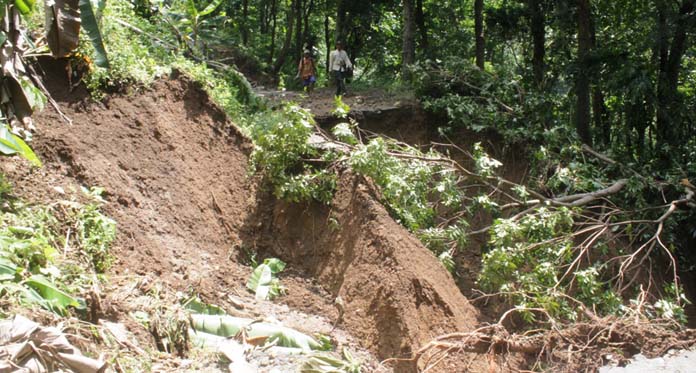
{"points": [[582, 80], [538, 29], [341, 20], [408, 36], [274, 24], [422, 29], [287, 44], [670, 66], [478, 30], [245, 22]]}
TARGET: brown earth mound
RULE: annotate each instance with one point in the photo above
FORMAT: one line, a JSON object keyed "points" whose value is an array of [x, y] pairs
{"points": [[175, 172], [397, 295]]}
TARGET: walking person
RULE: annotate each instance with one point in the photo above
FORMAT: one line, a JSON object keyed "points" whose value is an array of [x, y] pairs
{"points": [[339, 63], [307, 71]]}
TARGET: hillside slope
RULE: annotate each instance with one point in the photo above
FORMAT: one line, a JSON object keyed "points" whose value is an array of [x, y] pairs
{"points": [[177, 183]]}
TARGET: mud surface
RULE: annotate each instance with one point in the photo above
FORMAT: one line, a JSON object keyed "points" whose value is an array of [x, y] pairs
{"points": [[176, 179]]}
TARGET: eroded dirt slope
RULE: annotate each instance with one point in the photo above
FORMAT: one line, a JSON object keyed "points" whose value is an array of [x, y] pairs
{"points": [[397, 294], [175, 172]]}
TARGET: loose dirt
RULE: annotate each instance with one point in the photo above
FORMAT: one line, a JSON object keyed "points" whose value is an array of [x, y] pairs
{"points": [[177, 183]]}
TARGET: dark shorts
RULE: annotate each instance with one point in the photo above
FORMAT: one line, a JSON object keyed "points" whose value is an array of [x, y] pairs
{"points": [[308, 81]]}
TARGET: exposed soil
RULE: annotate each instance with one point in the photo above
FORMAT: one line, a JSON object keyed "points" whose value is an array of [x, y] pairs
{"points": [[176, 175]]}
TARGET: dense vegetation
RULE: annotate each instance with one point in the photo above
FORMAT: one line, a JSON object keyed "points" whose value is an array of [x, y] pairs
{"points": [[600, 94]]}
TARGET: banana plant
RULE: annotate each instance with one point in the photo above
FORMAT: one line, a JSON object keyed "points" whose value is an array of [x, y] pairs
{"points": [[19, 95], [189, 22]]}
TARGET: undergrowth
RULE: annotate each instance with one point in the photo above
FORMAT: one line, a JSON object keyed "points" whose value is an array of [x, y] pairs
{"points": [[50, 253]]}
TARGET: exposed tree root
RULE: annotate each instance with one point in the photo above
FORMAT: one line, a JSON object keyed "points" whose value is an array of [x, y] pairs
{"points": [[583, 346]]}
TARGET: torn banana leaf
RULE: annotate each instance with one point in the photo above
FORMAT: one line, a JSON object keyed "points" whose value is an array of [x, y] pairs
{"points": [[322, 363], [229, 326], [263, 281], [62, 26]]}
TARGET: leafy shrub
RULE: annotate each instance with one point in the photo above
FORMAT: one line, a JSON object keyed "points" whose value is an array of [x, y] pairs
{"points": [[281, 148], [527, 262]]}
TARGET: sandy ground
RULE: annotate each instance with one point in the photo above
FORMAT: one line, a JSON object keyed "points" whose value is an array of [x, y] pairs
{"points": [[674, 362]]}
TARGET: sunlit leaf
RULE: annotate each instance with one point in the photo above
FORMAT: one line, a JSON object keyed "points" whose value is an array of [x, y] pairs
{"points": [[91, 26]]}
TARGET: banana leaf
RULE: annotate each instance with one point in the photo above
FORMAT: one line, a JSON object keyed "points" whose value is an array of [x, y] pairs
{"points": [[210, 8], [11, 144], [229, 326], [263, 281], [8, 270], [196, 305], [57, 300], [322, 363], [63, 26], [91, 26]]}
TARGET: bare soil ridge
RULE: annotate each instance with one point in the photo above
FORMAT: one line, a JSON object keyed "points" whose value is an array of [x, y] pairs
{"points": [[176, 175]]}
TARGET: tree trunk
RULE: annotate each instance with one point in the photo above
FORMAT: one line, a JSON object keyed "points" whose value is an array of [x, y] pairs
{"points": [[478, 30], [245, 22], [422, 29], [341, 17], [327, 40], [299, 5], [538, 28], [287, 44], [669, 76], [408, 37], [582, 82], [263, 17], [274, 17], [599, 109]]}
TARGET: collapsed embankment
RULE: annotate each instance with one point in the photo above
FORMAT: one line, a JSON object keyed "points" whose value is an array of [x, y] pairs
{"points": [[397, 295], [176, 178]]}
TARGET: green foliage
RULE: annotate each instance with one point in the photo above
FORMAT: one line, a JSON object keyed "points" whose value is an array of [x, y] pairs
{"points": [[406, 184], [91, 26], [134, 56], [344, 133], [207, 326], [263, 281], [527, 261], [95, 233], [281, 142], [341, 108], [321, 363], [11, 144], [31, 271]]}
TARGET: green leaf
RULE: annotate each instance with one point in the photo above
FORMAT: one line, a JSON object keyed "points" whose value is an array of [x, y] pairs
{"points": [[210, 8], [25, 7], [35, 98], [56, 299], [229, 326], [8, 270], [260, 281], [11, 144], [91, 26], [196, 305], [276, 265], [344, 133], [263, 281]]}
